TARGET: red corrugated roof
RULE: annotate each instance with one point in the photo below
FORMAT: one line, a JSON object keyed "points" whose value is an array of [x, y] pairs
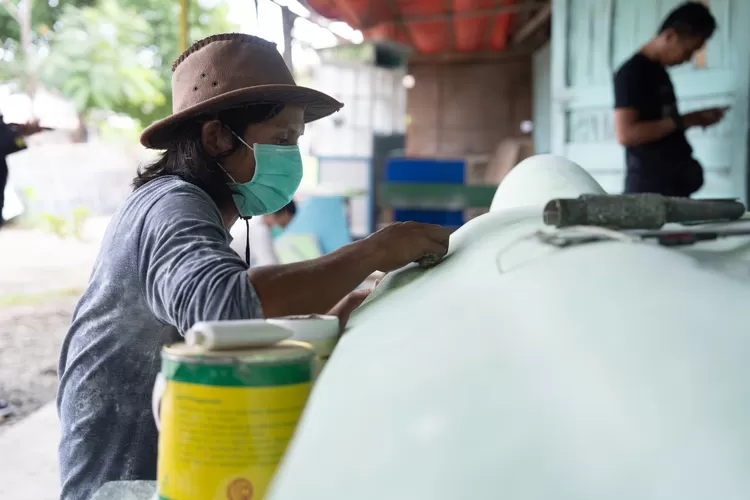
{"points": [[429, 26]]}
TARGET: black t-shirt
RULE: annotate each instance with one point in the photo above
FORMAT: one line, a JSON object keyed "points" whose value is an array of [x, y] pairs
{"points": [[665, 166]]}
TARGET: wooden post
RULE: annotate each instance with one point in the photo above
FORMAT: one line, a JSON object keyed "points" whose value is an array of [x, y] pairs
{"points": [[183, 25]]}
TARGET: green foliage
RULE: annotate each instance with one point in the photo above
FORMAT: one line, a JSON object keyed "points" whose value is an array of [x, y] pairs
{"points": [[65, 227], [163, 17], [44, 14], [61, 226], [96, 59], [27, 299], [121, 134], [77, 221], [107, 54], [14, 66], [54, 224]]}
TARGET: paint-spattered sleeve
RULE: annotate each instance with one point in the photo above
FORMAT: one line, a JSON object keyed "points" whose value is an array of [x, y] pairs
{"points": [[187, 269]]}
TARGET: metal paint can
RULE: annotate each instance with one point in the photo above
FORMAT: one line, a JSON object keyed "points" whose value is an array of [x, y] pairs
{"points": [[226, 417]]}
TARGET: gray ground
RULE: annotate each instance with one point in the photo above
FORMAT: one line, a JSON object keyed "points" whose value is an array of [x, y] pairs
{"points": [[41, 277], [30, 338]]}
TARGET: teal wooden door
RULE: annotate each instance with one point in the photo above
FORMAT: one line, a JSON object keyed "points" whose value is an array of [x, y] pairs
{"points": [[591, 38], [542, 99]]}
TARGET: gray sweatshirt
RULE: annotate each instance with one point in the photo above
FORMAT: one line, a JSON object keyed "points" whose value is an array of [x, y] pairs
{"points": [[165, 260]]}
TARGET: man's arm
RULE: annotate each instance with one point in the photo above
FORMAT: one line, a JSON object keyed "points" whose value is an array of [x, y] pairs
{"points": [[631, 132], [630, 98], [190, 274], [8, 140], [12, 135], [631, 95], [312, 286], [187, 270], [315, 286]]}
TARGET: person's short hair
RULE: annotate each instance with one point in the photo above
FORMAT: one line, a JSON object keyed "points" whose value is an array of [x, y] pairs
{"points": [[290, 208], [691, 19]]}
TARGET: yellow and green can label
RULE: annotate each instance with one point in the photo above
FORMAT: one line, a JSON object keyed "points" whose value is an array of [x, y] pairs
{"points": [[224, 428]]}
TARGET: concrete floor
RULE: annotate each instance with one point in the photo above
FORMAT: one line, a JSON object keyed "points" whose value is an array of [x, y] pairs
{"points": [[29, 464], [36, 268], [38, 262]]}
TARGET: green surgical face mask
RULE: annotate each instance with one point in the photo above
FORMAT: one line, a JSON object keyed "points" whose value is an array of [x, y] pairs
{"points": [[278, 173]]}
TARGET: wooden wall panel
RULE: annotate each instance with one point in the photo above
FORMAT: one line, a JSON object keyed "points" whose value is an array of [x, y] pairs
{"points": [[460, 109]]}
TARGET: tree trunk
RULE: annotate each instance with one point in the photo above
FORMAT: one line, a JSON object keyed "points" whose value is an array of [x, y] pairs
{"points": [[27, 49], [287, 21], [184, 25], [81, 134]]}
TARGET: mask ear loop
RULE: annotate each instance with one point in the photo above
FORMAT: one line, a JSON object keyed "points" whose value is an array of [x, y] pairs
{"points": [[247, 240], [241, 139], [247, 219]]}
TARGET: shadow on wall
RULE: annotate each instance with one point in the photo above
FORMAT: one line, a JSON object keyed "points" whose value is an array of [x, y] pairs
{"points": [[60, 179]]}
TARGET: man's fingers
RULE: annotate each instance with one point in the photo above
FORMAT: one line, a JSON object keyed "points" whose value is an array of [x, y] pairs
{"points": [[437, 233], [357, 297], [347, 305], [438, 248], [433, 252]]}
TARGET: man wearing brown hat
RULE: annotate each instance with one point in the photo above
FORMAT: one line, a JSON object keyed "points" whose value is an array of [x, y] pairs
{"points": [[230, 150]]}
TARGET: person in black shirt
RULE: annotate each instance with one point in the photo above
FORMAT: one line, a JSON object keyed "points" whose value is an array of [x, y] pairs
{"points": [[647, 122], [11, 140]]}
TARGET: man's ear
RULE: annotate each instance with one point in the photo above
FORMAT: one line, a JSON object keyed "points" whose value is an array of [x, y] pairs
{"points": [[216, 138], [669, 34]]}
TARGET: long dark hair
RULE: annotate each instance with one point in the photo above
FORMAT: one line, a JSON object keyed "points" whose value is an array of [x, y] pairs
{"points": [[186, 158]]}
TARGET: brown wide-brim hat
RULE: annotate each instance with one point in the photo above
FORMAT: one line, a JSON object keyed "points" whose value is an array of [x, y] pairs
{"points": [[228, 71]]}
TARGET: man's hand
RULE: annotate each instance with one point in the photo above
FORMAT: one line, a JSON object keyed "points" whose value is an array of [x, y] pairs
{"points": [[27, 129], [347, 305], [704, 117], [316, 285], [400, 243]]}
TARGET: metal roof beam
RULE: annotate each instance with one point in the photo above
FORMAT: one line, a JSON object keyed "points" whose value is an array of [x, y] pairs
{"points": [[537, 20], [451, 28], [461, 14], [465, 57], [400, 23]]}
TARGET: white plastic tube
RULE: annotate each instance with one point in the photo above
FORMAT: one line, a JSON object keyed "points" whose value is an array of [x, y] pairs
{"points": [[220, 335], [320, 331]]}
